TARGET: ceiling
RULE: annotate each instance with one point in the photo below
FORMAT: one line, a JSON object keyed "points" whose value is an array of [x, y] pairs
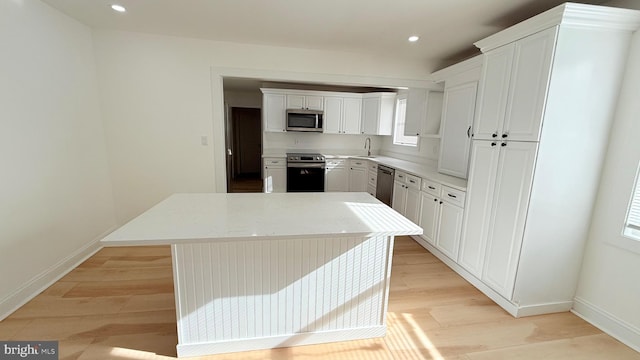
{"points": [[447, 28]]}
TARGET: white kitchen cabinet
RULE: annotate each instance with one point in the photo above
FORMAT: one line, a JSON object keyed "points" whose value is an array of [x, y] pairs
{"points": [[274, 175], [358, 175], [406, 195], [372, 178], [342, 115], [308, 102], [508, 214], [513, 89], [424, 112], [499, 190], [274, 112], [336, 175], [441, 214], [457, 119], [377, 113], [550, 87]]}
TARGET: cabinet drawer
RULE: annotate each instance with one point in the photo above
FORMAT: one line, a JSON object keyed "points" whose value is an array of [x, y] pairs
{"points": [[373, 180], [400, 176], [373, 167], [275, 162], [371, 190], [330, 163], [453, 196], [413, 181], [357, 163], [431, 187]]}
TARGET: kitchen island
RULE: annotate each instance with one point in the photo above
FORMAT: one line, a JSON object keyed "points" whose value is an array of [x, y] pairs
{"points": [[258, 271]]}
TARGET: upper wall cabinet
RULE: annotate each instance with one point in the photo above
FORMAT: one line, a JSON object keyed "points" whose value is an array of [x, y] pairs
{"points": [[459, 108], [424, 112], [377, 113], [274, 111], [309, 102], [514, 88], [342, 115]]}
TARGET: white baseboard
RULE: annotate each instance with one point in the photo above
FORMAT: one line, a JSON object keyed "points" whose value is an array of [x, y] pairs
{"points": [[40, 282], [272, 342], [548, 308], [624, 332]]}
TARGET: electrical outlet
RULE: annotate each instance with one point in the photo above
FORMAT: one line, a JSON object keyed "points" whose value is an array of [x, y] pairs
{"points": [[204, 140]]}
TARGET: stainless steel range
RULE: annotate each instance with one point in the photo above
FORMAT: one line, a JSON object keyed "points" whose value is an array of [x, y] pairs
{"points": [[305, 172]]}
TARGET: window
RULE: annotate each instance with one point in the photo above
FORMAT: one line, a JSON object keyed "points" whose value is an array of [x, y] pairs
{"points": [[632, 225], [399, 138]]}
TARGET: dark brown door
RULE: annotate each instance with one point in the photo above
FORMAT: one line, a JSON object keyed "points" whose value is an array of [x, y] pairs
{"points": [[247, 142]]}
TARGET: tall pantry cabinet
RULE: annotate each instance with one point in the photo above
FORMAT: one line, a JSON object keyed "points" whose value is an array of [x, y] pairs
{"points": [[546, 98]]}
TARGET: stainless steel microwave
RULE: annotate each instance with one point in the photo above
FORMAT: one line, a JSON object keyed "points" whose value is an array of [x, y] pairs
{"points": [[305, 120]]}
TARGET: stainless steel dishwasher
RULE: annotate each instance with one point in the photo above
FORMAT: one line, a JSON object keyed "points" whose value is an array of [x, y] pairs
{"points": [[384, 188]]}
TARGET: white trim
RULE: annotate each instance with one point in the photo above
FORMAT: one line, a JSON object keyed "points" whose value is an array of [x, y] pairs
{"points": [[222, 347], [512, 308], [549, 308], [40, 282], [624, 332], [570, 14], [473, 65]]}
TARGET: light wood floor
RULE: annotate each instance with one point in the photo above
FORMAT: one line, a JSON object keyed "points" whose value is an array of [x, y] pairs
{"points": [[119, 305]]}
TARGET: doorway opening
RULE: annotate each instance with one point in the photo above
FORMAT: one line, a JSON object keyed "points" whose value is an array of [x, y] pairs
{"points": [[245, 150]]}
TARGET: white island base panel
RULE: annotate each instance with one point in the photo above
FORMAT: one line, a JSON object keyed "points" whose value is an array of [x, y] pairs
{"points": [[248, 295]]}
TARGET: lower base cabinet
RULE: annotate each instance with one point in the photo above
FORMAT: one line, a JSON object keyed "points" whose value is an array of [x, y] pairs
{"points": [[274, 175], [441, 218]]}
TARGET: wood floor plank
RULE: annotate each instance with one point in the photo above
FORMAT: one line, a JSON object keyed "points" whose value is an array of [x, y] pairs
{"points": [[119, 304]]}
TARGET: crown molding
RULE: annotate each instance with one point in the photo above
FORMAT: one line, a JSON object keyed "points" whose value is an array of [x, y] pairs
{"points": [[567, 14], [455, 69]]}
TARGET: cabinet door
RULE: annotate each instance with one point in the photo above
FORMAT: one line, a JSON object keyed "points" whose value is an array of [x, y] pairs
{"points": [[457, 117], [429, 212], [416, 111], [333, 115], [295, 102], [494, 89], [358, 179], [508, 216], [479, 200], [399, 199], [312, 102], [433, 120], [412, 206], [370, 114], [337, 179], [352, 116], [275, 179], [528, 86], [449, 229], [274, 112]]}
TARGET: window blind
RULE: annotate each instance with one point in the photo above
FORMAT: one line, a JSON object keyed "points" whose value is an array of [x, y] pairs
{"points": [[633, 219]]}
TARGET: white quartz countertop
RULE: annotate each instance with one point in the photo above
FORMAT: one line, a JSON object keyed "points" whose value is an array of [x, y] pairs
{"points": [[188, 218]]}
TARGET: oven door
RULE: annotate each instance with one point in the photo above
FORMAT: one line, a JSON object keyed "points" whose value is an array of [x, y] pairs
{"points": [[302, 177]]}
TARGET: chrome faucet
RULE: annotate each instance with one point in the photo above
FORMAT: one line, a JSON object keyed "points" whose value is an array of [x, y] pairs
{"points": [[367, 141]]}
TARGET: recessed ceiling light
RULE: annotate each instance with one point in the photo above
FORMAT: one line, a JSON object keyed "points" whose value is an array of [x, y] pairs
{"points": [[118, 8], [414, 38]]}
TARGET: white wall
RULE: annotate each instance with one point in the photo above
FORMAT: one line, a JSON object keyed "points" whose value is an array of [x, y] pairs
{"points": [[609, 289], [160, 94], [55, 192]]}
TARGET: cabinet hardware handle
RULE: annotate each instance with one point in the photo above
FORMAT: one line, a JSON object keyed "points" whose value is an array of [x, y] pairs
{"points": [[431, 187], [417, 134], [411, 181], [453, 196], [469, 132], [440, 202], [435, 199], [493, 144], [494, 135], [503, 144], [505, 135]]}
